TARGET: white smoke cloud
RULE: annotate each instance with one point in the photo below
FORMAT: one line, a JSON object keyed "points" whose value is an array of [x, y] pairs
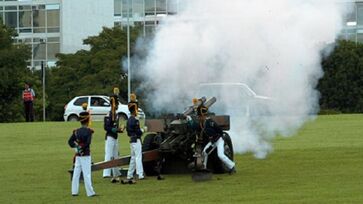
{"points": [[272, 46]]}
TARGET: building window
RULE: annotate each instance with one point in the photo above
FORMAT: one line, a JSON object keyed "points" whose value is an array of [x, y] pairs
{"points": [[160, 6], [126, 8], [351, 17], [25, 40], [39, 51], [360, 14], [27, 8], [11, 19], [117, 7], [53, 49], [138, 9], [11, 8], [25, 19], [53, 39], [172, 7], [52, 7], [38, 18], [149, 7], [53, 18]]}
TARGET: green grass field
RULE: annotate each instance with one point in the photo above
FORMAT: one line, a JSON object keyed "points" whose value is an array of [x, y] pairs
{"points": [[323, 163]]}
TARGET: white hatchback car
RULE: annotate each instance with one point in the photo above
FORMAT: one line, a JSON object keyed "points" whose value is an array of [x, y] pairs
{"points": [[236, 99], [99, 107]]}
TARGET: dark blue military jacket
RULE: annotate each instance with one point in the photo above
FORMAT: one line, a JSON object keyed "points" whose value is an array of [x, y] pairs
{"points": [[210, 129], [133, 129], [82, 136], [108, 125]]}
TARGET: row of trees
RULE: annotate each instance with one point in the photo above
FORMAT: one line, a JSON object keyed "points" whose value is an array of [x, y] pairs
{"points": [[90, 72], [96, 71], [13, 73], [341, 87]]}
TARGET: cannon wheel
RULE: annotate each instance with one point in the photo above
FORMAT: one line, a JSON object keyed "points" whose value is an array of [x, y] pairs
{"points": [[214, 162], [147, 145]]}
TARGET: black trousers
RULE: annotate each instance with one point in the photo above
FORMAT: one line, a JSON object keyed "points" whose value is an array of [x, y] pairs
{"points": [[29, 112]]}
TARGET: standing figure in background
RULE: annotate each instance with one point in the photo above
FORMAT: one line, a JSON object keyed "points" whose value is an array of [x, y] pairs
{"points": [[134, 132], [28, 98], [81, 140]]}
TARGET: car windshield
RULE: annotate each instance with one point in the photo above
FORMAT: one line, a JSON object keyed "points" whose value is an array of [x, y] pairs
{"points": [[231, 98]]}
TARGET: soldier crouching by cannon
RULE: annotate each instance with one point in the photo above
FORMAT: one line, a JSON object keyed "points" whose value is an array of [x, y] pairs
{"points": [[211, 130], [209, 136]]}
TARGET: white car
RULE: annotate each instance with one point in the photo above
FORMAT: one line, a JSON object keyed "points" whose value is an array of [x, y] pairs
{"points": [[234, 98], [99, 106]]}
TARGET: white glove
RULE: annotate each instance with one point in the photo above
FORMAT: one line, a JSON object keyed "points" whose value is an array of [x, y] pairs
{"points": [[144, 129], [189, 118]]}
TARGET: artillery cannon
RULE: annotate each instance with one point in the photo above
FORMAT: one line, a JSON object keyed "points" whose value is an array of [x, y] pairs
{"points": [[172, 146]]}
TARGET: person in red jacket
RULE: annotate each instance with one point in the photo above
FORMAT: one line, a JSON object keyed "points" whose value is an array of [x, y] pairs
{"points": [[28, 98]]}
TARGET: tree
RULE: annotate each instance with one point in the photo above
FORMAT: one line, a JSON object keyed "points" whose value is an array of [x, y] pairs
{"points": [[14, 73], [85, 72], [342, 85]]}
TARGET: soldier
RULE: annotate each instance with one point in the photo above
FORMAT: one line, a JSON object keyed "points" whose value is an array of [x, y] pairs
{"points": [[213, 132], [111, 146], [134, 132], [81, 140], [112, 130], [114, 103]]}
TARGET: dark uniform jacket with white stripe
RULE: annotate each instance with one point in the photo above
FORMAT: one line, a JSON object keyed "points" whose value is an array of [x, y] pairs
{"points": [[110, 127], [81, 139], [210, 129], [133, 129]]}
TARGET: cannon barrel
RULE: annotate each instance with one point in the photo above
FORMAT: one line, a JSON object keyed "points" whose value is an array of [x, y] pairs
{"points": [[207, 103], [210, 102]]}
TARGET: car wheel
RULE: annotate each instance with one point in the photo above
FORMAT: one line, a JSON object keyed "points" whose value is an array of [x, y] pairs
{"points": [[73, 118], [148, 144], [122, 116]]}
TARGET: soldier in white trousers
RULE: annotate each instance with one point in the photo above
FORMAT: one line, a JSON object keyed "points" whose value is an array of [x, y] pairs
{"points": [[134, 132], [81, 140], [220, 152], [111, 146], [136, 161], [213, 132]]}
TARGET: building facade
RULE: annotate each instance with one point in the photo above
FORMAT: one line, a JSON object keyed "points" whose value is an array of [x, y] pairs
{"points": [[59, 26], [146, 13], [353, 29], [37, 24]]}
